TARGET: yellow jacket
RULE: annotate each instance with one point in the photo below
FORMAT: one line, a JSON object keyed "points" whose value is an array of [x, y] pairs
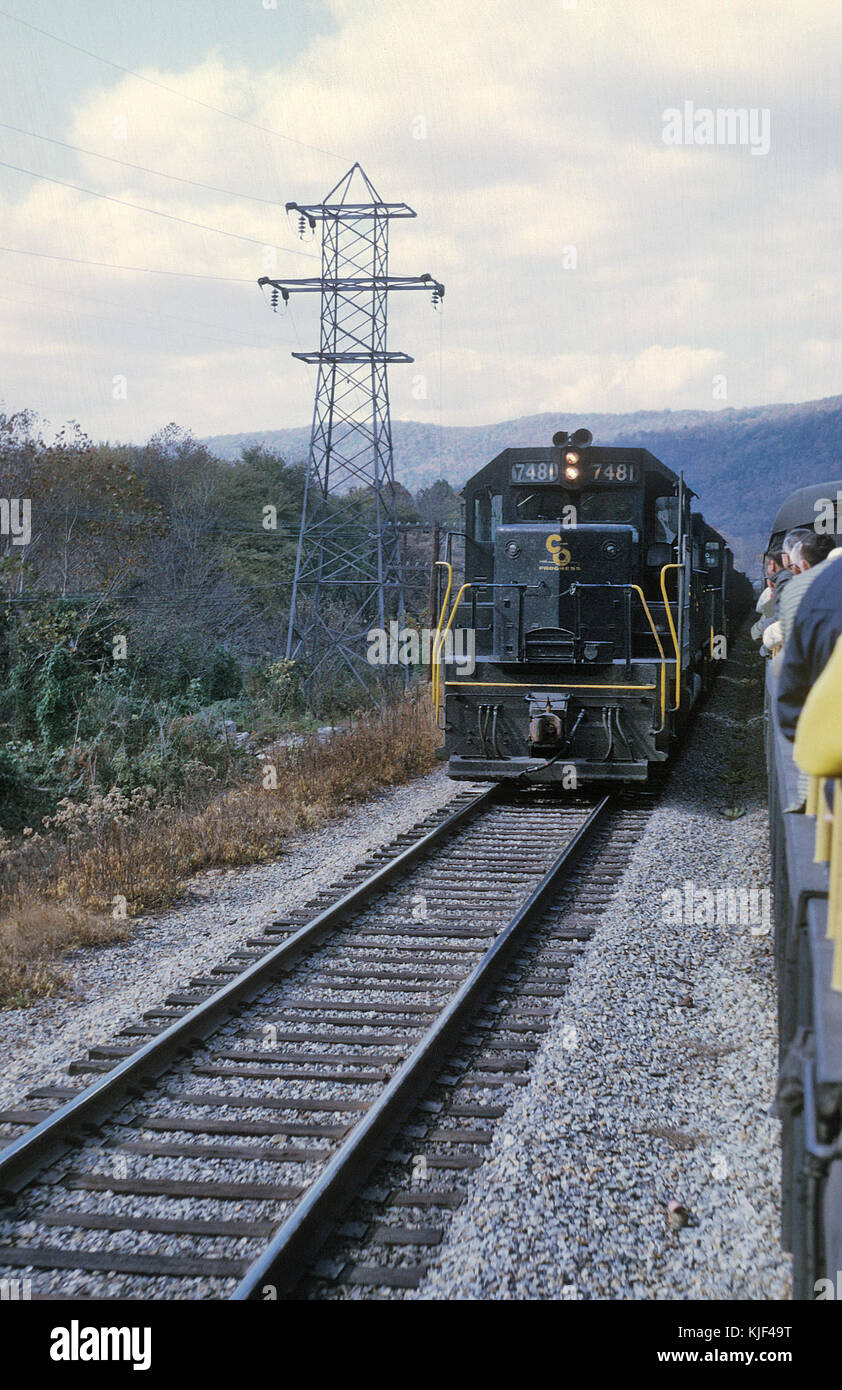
{"points": [[818, 735]]}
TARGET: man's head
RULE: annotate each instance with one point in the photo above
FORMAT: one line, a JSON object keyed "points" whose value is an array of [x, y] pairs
{"points": [[814, 550], [791, 552], [773, 563]]}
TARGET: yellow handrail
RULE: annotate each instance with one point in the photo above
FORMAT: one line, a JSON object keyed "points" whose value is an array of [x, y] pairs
{"points": [[673, 632], [441, 637], [438, 647], [440, 564], [639, 591]]}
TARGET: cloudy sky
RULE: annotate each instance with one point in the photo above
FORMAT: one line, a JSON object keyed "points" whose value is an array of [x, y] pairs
{"points": [[589, 265]]}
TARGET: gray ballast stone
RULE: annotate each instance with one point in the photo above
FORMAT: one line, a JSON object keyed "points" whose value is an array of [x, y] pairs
{"points": [[638, 1099]]}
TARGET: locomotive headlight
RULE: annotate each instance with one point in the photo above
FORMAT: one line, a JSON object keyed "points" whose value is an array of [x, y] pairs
{"points": [[571, 457], [571, 472]]}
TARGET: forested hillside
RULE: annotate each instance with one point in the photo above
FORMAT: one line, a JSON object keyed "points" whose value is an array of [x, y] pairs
{"points": [[145, 615], [742, 463]]}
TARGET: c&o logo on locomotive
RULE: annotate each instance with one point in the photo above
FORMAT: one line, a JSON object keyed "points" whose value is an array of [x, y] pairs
{"points": [[559, 554]]}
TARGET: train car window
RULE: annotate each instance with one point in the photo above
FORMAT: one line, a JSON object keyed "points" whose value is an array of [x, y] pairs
{"points": [[496, 511]]}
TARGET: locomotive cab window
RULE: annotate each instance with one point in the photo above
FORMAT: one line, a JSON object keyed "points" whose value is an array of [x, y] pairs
{"points": [[711, 555], [609, 505], [604, 504], [482, 517], [666, 520], [488, 515]]}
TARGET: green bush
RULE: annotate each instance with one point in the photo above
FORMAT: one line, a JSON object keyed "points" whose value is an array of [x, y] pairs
{"points": [[224, 680], [32, 779]]}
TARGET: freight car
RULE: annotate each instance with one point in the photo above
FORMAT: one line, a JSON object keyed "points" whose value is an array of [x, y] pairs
{"points": [[599, 606]]}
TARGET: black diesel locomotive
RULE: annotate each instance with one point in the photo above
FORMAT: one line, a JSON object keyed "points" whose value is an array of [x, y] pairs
{"points": [[600, 605]]}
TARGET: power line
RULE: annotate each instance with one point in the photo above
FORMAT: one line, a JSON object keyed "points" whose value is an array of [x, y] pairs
{"points": [[141, 168], [136, 269], [190, 592], [155, 212], [220, 111], [110, 318], [283, 531], [119, 304]]}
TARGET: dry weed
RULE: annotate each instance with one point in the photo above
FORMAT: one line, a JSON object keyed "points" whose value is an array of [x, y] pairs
{"points": [[59, 887]]}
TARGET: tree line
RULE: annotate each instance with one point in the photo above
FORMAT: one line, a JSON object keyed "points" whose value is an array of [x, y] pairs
{"points": [[146, 612]]}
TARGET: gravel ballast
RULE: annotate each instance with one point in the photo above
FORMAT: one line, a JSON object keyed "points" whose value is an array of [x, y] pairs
{"points": [[655, 1084]]}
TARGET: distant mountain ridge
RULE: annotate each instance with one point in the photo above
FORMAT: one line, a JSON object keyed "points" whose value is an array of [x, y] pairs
{"points": [[742, 463]]}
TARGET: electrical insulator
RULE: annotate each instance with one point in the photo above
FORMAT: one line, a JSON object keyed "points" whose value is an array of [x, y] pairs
{"points": [[435, 299], [302, 225], [275, 299]]}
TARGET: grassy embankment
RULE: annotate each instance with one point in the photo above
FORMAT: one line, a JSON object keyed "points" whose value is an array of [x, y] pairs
{"points": [[62, 884]]}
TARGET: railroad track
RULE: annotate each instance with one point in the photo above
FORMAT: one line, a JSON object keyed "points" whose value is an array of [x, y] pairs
{"points": [[224, 1136]]}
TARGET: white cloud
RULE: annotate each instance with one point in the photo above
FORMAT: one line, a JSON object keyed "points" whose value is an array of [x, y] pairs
{"points": [[543, 130]]}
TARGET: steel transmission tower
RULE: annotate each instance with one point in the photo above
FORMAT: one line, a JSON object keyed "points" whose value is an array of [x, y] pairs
{"points": [[348, 575]]}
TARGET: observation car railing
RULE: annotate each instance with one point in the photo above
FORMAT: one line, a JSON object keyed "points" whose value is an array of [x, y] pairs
{"points": [[807, 888]]}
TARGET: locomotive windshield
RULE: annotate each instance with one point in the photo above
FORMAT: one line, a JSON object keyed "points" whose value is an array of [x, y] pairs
{"points": [[599, 505]]}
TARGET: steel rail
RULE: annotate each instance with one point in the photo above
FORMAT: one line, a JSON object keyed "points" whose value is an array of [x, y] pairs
{"points": [[25, 1156], [296, 1243]]}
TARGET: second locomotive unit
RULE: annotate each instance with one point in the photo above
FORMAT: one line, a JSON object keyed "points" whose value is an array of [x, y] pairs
{"points": [[599, 603]]}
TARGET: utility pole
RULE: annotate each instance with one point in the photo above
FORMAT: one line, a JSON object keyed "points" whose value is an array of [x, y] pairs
{"points": [[348, 572]]}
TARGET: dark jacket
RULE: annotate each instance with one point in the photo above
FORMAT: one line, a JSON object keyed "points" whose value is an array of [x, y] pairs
{"points": [[782, 578], [817, 625]]}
